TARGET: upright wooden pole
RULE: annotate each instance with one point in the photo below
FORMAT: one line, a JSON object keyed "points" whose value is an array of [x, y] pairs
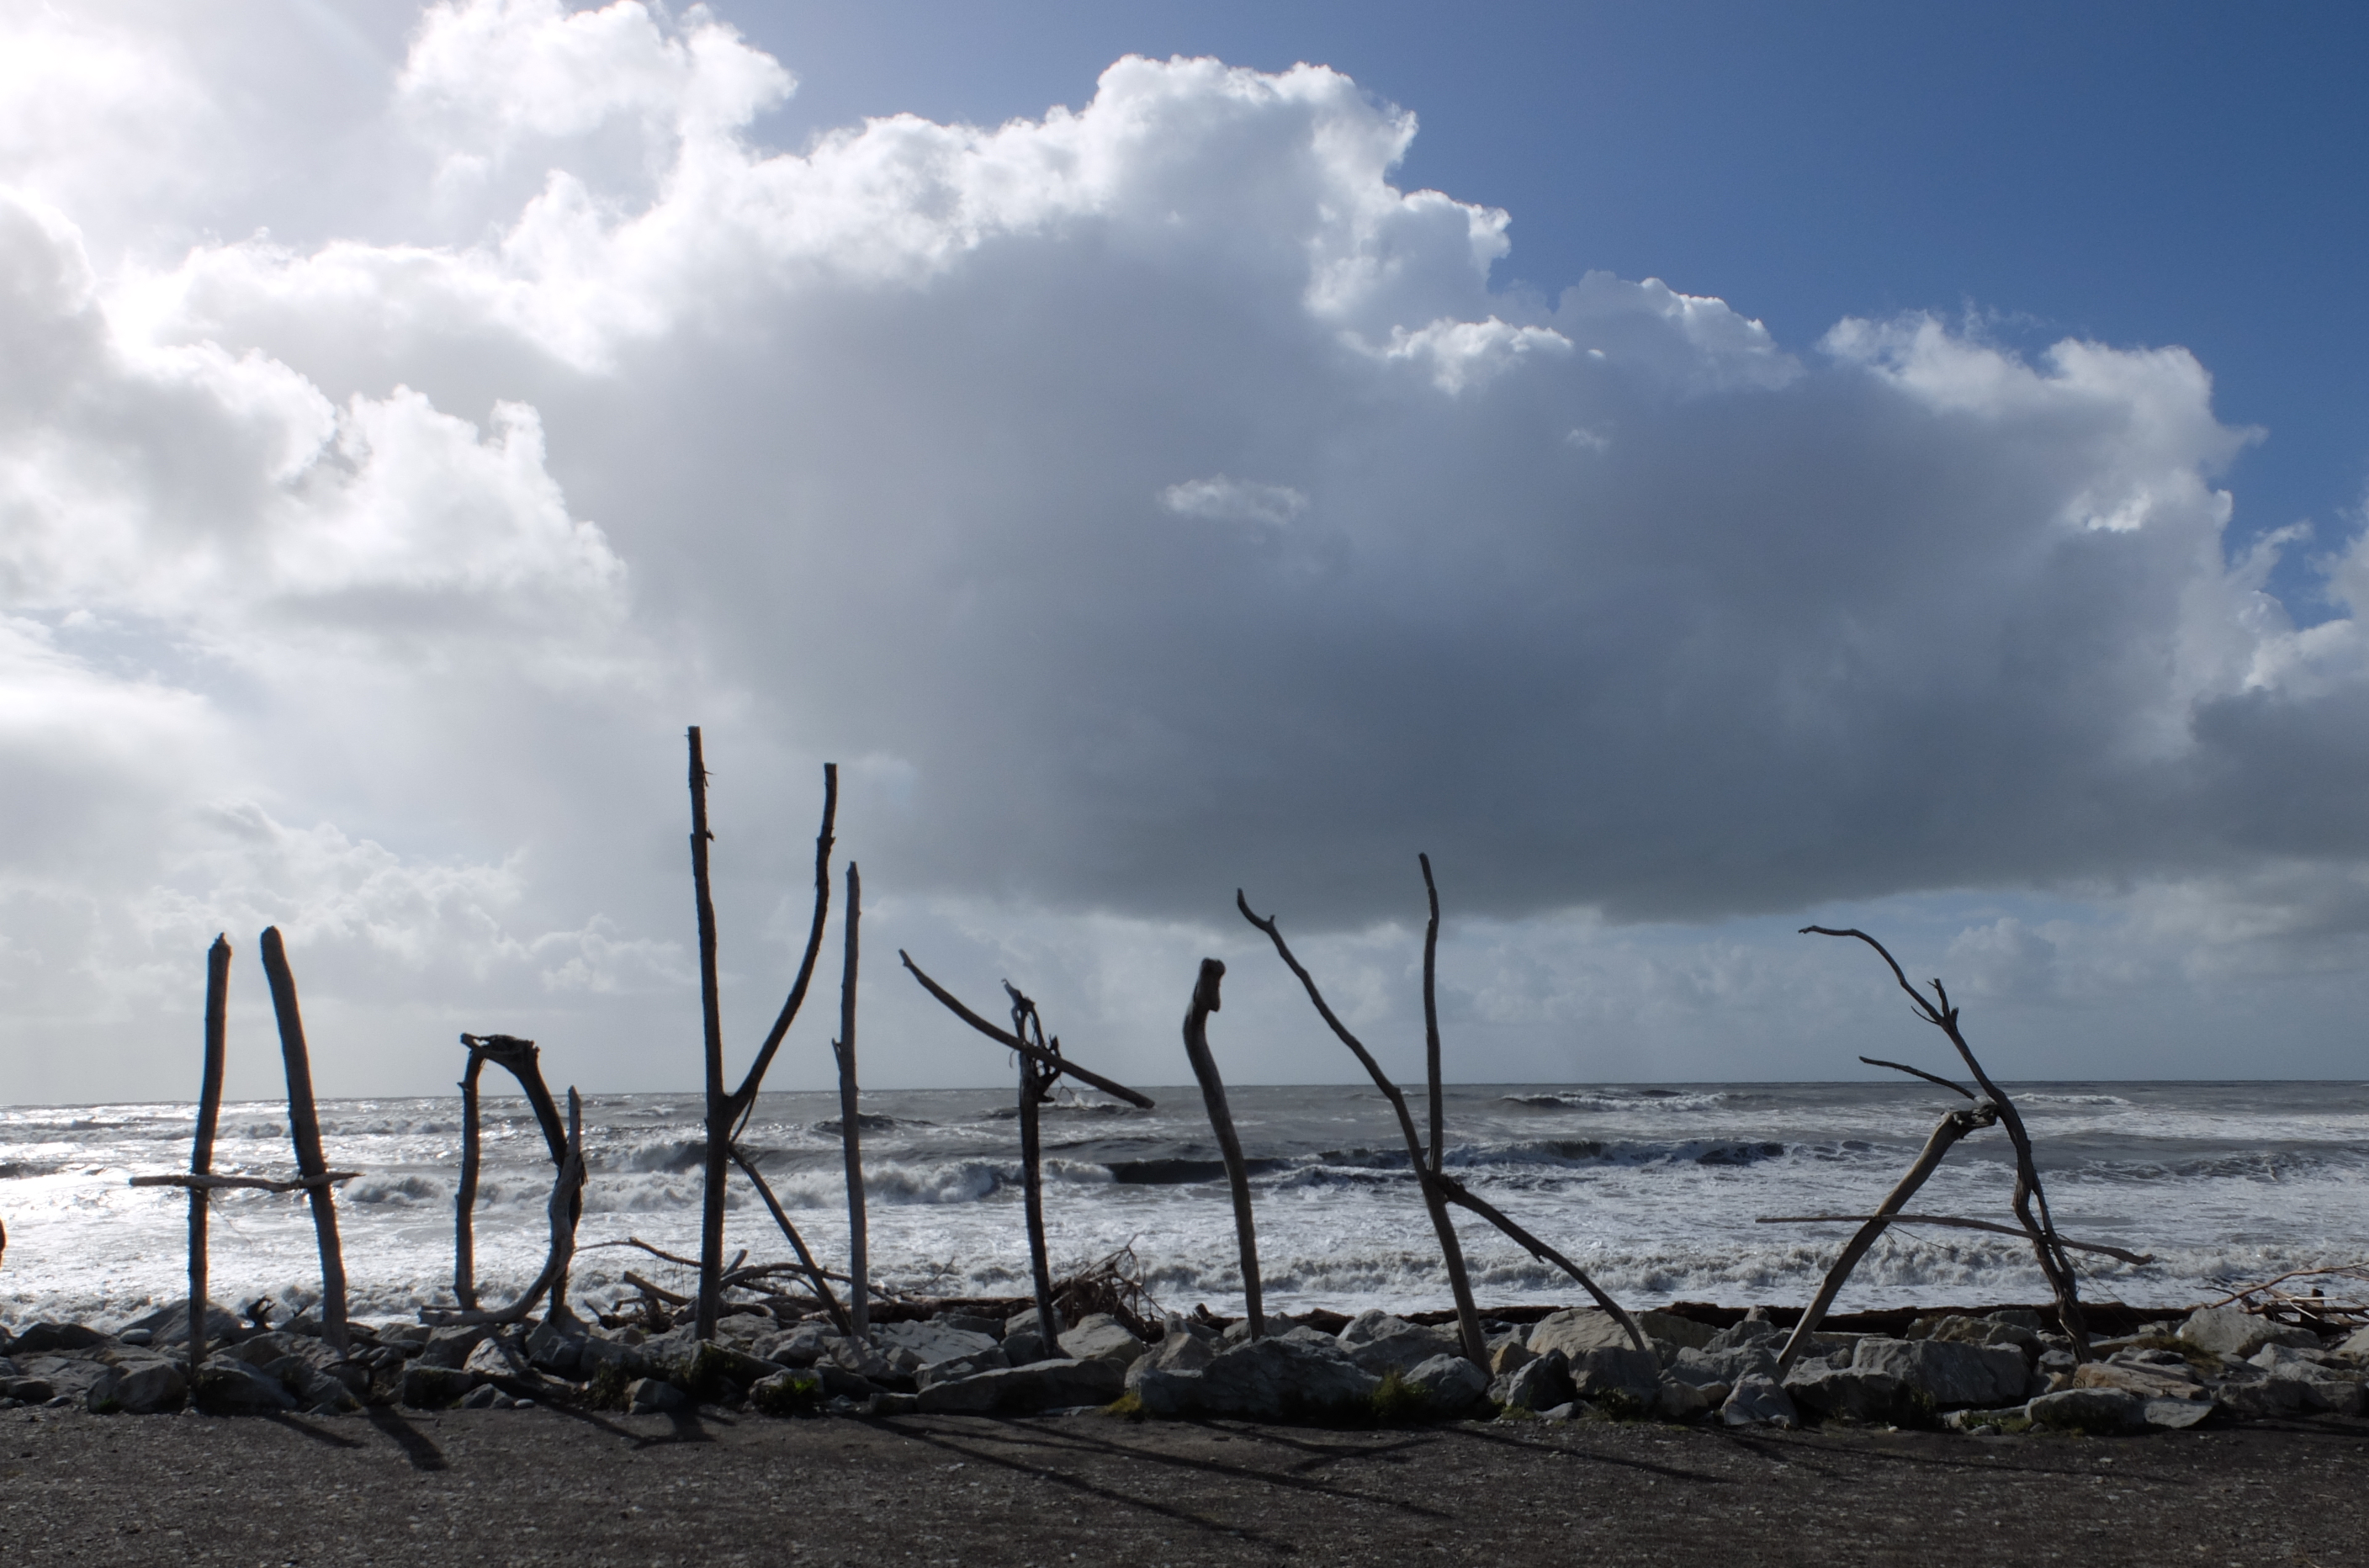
{"points": [[1431, 1016], [719, 1109], [1221, 1123], [201, 1152], [465, 1201], [851, 1124], [305, 1131], [1036, 1080]]}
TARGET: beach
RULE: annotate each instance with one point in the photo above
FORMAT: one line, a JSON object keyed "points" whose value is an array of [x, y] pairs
{"points": [[580, 1488]]}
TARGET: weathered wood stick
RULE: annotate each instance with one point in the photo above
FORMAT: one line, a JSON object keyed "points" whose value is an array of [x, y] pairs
{"points": [[839, 1315], [1206, 1000], [305, 1131], [851, 1119], [522, 1060], [2098, 1247], [1012, 1042], [563, 1209], [206, 1184], [201, 1151], [657, 1292], [1455, 1192], [719, 1107], [744, 1099], [1034, 1085], [1920, 1072], [1451, 1252], [464, 1196], [1431, 1016], [2029, 1194], [1953, 1126]]}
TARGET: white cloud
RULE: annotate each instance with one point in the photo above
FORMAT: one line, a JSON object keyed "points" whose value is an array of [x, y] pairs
{"points": [[419, 530]]}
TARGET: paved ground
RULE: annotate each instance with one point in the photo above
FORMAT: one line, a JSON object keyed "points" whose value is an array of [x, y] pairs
{"points": [[550, 1486]]}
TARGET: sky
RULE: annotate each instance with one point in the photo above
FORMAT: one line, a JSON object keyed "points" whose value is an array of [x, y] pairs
{"points": [[1694, 471]]}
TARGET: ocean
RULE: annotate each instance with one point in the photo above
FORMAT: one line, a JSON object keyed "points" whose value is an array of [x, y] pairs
{"points": [[1654, 1189]]}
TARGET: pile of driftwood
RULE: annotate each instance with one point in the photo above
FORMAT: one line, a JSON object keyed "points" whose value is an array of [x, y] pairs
{"points": [[1109, 1287]]}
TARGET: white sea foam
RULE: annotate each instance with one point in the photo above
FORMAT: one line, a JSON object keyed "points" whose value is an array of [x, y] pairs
{"points": [[1656, 1193]]}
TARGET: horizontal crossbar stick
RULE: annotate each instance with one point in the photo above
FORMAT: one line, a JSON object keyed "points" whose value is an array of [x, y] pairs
{"points": [[1013, 1042], [255, 1183], [1951, 1221]]}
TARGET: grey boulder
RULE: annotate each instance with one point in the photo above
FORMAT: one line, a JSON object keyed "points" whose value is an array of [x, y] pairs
{"points": [[655, 1396], [1759, 1401], [1453, 1384], [227, 1386], [801, 1347], [1616, 1374], [1180, 1351], [1024, 1390], [914, 1346], [1851, 1393], [152, 1386], [2090, 1409], [170, 1325], [1539, 1384], [1950, 1375], [1727, 1366], [1265, 1379], [1098, 1336], [2232, 1330]]}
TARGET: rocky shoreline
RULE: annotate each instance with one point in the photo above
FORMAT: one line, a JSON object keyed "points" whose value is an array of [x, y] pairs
{"points": [[2002, 1372]]}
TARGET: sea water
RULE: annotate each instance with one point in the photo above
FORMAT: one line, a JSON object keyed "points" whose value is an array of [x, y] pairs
{"points": [[1656, 1190]]}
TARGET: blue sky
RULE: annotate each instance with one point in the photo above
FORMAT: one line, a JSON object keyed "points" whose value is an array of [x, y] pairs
{"points": [[1692, 469]]}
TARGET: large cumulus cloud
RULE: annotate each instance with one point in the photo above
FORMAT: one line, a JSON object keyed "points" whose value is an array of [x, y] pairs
{"points": [[1142, 500]]}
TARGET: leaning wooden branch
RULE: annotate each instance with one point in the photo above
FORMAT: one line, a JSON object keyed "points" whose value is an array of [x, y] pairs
{"points": [[304, 1132], [1221, 1123], [1451, 1251], [563, 1209], [1951, 1221], [744, 1098], [1953, 1126], [2029, 1194], [839, 1315], [1013, 1042]]}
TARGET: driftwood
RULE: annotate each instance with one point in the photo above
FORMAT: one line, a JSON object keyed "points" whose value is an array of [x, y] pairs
{"points": [[1952, 1222], [1468, 1317], [851, 1120], [1221, 1123], [838, 1314], [208, 1183], [304, 1132], [522, 1061], [2030, 1200], [566, 1194], [1431, 1016], [727, 1113], [1035, 1088], [1044, 1058], [1953, 1126], [202, 1150]]}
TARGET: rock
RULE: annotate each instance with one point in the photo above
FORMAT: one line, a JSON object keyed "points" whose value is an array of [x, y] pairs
{"points": [[655, 1396], [971, 1322], [1180, 1351], [930, 1343], [2357, 1347], [2261, 1396], [1538, 1384], [170, 1325], [552, 1349], [2146, 1381], [1101, 1337], [701, 1367], [1022, 1323], [1372, 1325], [1751, 1331], [2232, 1330], [2175, 1415], [50, 1339], [1265, 1380], [1403, 1349], [1851, 1393], [155, 1388], [1675, 1401], [1451, 1383], [2335, 1389], [1957, 1328], [797, 1392], [1948, 1374], [2095, 1410], [1576, 1331], [227, 1386], [1506, 1355], [1023, 1347], [1758, 1400], [1024, 1390], [66, 1377], [854, 1356], [30, 1390], [1728, 1366], [482, 1397], [425, 1386], [1675, 1332], [801, 1347], [1616, 1374], [450, 1346]]}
